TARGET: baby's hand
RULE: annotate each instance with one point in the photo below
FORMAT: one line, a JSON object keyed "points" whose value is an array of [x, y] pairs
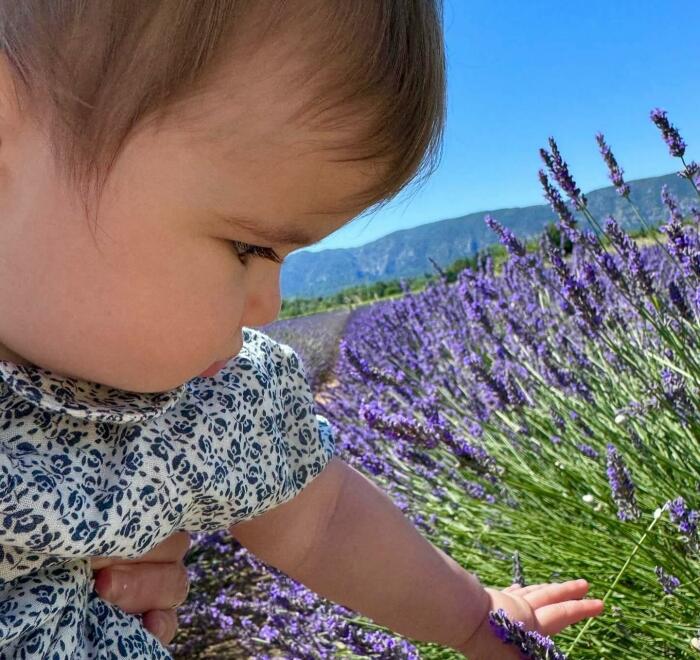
{"points": [[546, 608], [153, 584]]}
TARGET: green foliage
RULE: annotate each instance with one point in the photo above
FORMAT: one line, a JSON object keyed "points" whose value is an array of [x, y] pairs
{"points": [[556, 238]]}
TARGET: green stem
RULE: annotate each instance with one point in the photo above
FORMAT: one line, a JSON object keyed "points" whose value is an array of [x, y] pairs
{"points": [[619, 575], [648, 228]]}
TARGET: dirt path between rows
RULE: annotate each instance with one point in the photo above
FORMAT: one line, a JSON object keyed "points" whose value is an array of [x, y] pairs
{"points": [[325, 393]]}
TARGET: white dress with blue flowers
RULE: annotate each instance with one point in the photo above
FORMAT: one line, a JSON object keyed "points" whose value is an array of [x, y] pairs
{"points": [[88, 470]]}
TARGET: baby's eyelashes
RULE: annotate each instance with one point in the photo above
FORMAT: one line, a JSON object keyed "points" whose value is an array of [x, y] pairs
{"points": [[246, 249]]}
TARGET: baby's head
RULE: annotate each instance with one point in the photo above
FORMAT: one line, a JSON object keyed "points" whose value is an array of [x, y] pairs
{"points": [[140, 140]]}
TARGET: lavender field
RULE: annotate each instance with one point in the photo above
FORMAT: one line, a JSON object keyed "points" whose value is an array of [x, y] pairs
{"points": [[540, 424]]}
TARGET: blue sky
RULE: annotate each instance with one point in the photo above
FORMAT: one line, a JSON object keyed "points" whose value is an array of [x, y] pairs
{"points": [[519, 72]]}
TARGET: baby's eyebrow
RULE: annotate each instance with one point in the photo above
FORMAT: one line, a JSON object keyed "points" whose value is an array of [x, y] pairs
{"points": [[291, 235]]}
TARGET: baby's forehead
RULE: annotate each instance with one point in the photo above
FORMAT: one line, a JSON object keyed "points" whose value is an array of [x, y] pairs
{"points": [[301, 197], [265, 130], [276, 171]]}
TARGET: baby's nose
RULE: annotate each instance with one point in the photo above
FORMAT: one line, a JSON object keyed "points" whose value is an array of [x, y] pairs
{"points": [[263, 302]]}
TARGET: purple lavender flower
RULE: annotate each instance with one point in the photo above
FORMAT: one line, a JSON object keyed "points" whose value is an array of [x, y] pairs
{"points": [[558, 420], [668, 582], [474, 309], [672, 138], [516, 396], [613, 168], [604, 258], [588, 451], [477, 314], [695, 211], [591, 282], [676, 392], [482, 375], [574, 292], [475, 457], [692, 170], [630, 253], [398, 426], [671, 203], [531, 644], [560, 171], [679, 301], [567, 222], [371, 373], [507, 238], [517, 328], [622, 486], [686, 519], [679, 242], [476, 430], [478, 492]]}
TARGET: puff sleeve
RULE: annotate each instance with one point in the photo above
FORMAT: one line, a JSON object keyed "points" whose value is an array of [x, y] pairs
{"points": [[266, 442], [309, 439]]}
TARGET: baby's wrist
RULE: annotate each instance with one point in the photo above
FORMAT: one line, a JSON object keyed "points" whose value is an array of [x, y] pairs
{"points": [[477, 624], [484, 644]]}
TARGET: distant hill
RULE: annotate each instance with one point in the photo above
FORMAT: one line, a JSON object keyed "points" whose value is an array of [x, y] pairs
{"points": [[405, 253]]}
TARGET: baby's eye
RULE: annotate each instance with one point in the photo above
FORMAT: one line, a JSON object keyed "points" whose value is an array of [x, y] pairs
{"points": [[246, 249]]}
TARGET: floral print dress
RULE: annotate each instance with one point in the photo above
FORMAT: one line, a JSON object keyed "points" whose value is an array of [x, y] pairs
{"points": [[88, 470]]}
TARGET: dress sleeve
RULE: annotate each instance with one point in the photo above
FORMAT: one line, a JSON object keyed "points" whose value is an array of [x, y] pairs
{"points": [[309, 440], [263, 441]]}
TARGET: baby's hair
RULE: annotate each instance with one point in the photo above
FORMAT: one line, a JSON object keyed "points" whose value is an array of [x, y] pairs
{"points": [[93, 71]]}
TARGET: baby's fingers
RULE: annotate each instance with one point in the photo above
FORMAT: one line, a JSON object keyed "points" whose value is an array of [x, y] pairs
{"points": [[556, 606], [552, 619], [547, 594]]}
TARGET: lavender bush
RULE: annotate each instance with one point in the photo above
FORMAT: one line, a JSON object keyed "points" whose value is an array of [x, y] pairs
{"points": [[543, 421], [240, 607]]}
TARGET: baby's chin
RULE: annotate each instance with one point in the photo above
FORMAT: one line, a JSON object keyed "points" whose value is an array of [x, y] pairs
{"points": [[134, 375], [140, 383], [138, 380], [10, 356], [163, 383], [173, 371]]}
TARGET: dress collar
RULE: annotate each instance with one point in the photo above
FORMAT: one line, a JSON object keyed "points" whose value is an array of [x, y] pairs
{"points": [[85, 399]]}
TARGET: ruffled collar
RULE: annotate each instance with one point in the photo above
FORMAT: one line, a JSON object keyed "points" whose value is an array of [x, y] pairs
{"points": [[85, 399]]}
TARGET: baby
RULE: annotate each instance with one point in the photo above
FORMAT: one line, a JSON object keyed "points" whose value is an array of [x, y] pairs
{"points": [[158, 161]]}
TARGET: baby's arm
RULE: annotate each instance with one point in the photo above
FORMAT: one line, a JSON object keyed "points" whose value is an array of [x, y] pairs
{"points": [[343, 538]]}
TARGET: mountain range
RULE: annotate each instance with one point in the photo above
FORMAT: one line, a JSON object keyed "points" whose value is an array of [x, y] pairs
{"points": [[405, 253]]}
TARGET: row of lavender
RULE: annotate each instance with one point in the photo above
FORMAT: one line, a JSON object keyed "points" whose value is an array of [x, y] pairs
{"points": [[315, 338], [547, 414]]}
